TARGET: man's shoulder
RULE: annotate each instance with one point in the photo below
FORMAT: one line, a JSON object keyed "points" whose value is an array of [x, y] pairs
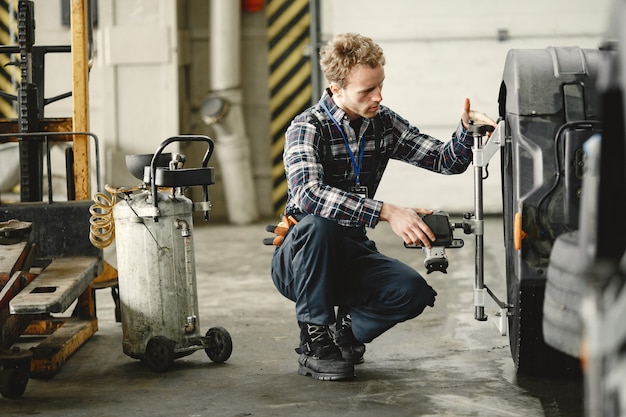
{"points": [[313, 114], [386, 113]]}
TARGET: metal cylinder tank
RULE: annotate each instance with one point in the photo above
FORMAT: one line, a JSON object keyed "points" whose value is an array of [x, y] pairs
{"points": [[155, 262]]}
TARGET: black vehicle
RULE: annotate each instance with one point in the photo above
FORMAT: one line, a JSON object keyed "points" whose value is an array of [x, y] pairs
{"points": [[550, 104], [563, 187]]}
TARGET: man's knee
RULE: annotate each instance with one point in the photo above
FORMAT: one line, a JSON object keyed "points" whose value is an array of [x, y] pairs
{"points": [[410, 294], [422, 295]]}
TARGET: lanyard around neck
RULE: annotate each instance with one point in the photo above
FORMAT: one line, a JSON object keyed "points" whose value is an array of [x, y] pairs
{"points": [[357, 166]]}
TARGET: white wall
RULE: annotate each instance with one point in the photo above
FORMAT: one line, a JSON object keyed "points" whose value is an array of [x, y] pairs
{"points": [[135, 80], [133, 83], [438, 53]]}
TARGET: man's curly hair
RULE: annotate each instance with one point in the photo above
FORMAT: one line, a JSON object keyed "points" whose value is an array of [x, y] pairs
{"points": [[340, 55]]}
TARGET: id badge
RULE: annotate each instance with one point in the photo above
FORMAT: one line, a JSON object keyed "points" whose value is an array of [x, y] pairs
{"points": [[359, 189]]}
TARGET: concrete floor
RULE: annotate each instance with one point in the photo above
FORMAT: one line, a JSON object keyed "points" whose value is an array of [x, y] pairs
{"points": [[444, 363]]}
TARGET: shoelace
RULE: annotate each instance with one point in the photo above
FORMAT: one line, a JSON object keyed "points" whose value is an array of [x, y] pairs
{"points": [[317, 332], [346, 321]]}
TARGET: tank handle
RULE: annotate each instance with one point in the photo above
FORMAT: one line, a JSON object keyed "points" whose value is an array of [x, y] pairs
{"points": [[157, 154]]}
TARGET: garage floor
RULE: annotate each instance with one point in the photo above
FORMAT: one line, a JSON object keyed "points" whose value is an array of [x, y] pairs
{"points": [[444, 363]]}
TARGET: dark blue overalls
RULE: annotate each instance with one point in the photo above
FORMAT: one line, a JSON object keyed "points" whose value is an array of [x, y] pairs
{"points": [[321, 264]]}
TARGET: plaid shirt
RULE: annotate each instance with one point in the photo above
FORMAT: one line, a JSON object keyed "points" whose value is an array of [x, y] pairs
{"points": [[320, 185]]}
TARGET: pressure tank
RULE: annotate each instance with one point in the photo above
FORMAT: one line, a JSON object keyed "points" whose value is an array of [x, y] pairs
{"points": [[155, 262]]}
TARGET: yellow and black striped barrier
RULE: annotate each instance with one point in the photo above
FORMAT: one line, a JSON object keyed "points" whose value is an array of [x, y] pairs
{"points": [[289, 23], [9, 74]]}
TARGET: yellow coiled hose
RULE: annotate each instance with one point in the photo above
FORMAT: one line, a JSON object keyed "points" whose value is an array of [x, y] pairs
{"points": [[101, 224]]}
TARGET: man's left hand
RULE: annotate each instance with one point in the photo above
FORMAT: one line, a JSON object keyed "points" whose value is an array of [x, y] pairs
{"points": [[477, 117]]}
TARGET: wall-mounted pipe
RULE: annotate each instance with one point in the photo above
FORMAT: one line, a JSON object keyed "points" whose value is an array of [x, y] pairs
{"points": [[231, 144]]}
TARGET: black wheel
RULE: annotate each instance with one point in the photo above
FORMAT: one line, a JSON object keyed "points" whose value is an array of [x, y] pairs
{"points": [[159, 353], [14, 378], [219, 343], [562, 321], [531, 355]]}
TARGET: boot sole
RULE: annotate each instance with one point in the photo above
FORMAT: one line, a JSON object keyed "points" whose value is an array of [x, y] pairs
{"points": [[303, 370]]}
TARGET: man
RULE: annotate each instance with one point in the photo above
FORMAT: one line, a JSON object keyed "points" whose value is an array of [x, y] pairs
{"points": [[335, 155]]}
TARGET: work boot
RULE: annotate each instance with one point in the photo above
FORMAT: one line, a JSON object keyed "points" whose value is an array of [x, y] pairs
{"points": [[351, 349], [319, 356]]}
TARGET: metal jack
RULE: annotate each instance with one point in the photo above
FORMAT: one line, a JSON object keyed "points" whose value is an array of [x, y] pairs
{"points": [[487, 141]]}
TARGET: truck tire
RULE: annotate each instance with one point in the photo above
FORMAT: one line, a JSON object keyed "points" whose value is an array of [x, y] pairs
{"points": [[565, 287], [530, 353], [548, 102]]}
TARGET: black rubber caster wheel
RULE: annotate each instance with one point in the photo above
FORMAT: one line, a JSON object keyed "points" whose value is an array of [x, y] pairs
{"points": [[220, 344], [159, 353], [14, 378]]}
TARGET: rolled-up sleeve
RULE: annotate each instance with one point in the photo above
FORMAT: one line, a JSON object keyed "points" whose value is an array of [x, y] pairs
{"points": [[425, 151]]}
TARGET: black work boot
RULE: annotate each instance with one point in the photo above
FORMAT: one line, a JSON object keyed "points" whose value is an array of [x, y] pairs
{"points": [[319, 356], [351, 349]]}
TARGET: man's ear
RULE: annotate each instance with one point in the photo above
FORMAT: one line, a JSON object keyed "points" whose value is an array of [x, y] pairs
{"points": [[335, 89]]}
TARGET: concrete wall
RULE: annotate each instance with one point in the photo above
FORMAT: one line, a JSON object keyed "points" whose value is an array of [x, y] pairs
{"points": [[196, 88], [133, 81], [150, 77]]}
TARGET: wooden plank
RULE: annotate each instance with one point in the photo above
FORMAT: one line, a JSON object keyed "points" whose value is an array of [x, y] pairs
{"points": [[50, 355], [43, 326], [108, 277], [57, 287], [80, 96], [11, 326], [13, 287], [11, 258], [48, 124]]}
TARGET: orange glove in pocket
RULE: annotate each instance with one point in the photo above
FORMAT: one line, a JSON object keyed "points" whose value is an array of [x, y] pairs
{"points": [[280, 230]]}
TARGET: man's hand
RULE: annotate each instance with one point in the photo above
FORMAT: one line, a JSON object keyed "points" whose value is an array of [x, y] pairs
{"points": [[406, 223], [477, 117]]}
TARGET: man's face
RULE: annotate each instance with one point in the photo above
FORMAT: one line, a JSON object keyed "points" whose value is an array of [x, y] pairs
{"points": [[362, 95]]}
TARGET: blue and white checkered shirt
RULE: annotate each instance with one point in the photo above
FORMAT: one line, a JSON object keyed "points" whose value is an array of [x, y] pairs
{"points": [[320, 185]]}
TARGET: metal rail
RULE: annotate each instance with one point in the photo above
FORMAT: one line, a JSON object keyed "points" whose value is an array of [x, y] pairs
{"points": [[45, 136]]}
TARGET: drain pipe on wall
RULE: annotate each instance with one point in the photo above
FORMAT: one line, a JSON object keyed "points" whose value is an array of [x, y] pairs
{"points": [[223, 111]]}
